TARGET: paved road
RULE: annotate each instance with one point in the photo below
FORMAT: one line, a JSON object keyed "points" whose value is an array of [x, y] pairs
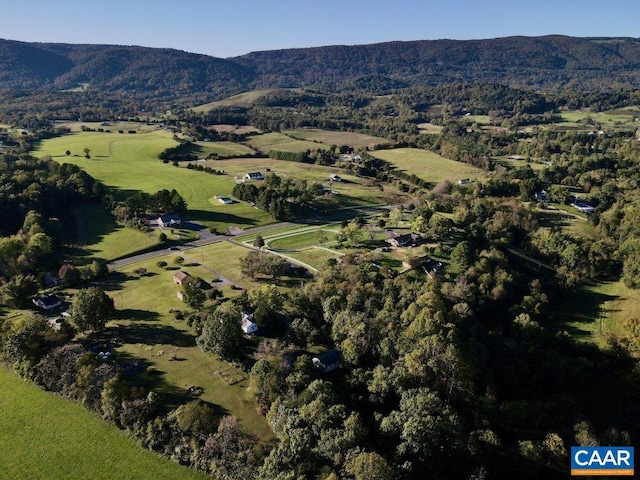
{"points": [[206, 238]]}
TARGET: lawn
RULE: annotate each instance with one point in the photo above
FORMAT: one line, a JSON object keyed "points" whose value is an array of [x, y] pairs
{"points": [[328, 137], [282, 143], [303, 239], [46, 436], [428, 166], [148, 331], [129, 162]]}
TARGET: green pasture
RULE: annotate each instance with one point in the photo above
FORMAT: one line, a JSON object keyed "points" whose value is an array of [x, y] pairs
{"points": [[619, 119], [283, 143], [45, 436], [352, 191], [129, 162], [316, 257], [148, 331], [427, 165], [304, 239], [224, 149], [328, 137]]}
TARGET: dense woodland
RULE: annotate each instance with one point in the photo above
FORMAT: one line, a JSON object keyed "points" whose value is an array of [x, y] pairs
{"points": [[468, 374]]}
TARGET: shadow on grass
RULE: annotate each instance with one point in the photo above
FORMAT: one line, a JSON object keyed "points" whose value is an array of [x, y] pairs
{"points": [[582, 310], [140, 315], [154, 334], [221, 217]]}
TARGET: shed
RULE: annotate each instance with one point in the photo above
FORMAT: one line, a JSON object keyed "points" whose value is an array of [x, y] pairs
{"points": [[327, 361], [180, 277]]}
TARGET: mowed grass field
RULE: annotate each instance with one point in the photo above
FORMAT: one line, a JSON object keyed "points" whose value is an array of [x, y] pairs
{"points": [[129, 162], [428, 166], [225, 149], [44, 436], [282, 143], [328, 137], [598, 310]]}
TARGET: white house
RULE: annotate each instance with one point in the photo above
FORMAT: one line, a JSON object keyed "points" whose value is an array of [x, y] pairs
{"points": [[335, 177], [47, 303], [254, 176], [247, 324]]}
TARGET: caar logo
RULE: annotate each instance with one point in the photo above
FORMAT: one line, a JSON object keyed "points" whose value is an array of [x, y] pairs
{"points": [[601, 461]]}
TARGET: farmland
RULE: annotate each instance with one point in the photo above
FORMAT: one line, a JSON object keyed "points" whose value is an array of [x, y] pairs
{"points": [[326, 137], [40, 434], [127, 163], [428, 166], [283, 143]]}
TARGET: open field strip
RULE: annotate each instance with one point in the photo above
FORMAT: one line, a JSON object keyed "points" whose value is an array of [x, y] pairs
{"points": [[44, 436], [283, 143], [328, 137], [427, 165], [226, 149], [245, 99]]}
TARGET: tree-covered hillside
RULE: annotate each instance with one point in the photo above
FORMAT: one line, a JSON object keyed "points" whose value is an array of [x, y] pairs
{"points": [[166, 75]]}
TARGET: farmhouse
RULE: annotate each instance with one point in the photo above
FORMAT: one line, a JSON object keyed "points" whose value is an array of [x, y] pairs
{"points": [[406, 240], [169, 221], [335, 177], [180, 277], [247, 324], [428, 264], [464, 181], [48, 302], [328, 361], [254, 176]]}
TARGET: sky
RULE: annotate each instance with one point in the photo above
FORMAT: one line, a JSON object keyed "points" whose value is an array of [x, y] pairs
{"points": [[232, 28]]}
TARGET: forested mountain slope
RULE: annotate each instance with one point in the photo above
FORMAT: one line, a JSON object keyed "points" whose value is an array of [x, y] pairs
{"points": [[548, 63]]}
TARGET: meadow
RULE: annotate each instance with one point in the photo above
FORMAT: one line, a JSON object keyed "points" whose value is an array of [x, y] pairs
{"points": [[282, 143], [428, 166], [328, 137], [245, 99], [46, 436]]}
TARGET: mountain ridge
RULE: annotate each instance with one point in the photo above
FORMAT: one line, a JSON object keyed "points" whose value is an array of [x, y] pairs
{"points": [[550, 62]]}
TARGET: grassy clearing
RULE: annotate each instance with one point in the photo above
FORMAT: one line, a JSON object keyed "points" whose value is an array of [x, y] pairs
{"points": [[40, 436], [239, 129], [128, 163], [428, 166], [430, 128], [246, 99], [327, 137], [595, 311], [511, 163], [148, 331], [283, 143]]}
